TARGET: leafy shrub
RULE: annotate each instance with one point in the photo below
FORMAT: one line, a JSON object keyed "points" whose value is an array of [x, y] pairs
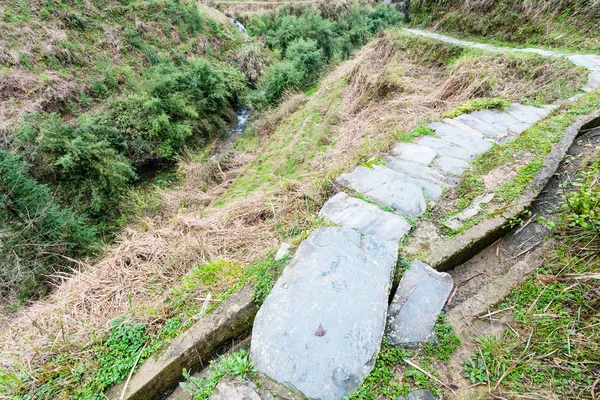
{"points": [[309, 41], [307, 57], [37, 235], [84, 159], [280, 77], [174, 104]]}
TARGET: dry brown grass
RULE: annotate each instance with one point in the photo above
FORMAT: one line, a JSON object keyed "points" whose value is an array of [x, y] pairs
{"points": [[385, 92]]}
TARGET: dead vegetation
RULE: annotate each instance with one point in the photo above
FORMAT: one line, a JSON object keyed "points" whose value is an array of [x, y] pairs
{"points": [[357, 113]]}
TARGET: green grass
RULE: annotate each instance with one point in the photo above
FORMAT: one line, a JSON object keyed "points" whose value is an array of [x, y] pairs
{"points": [[419, 131], [385, 381], [233, 366], [477, 105], [555, 345]]}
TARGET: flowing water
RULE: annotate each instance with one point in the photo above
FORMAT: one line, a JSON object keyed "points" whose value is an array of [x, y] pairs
{"points": [[227, 140]]}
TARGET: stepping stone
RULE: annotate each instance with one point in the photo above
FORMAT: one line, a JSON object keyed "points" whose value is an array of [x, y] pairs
{"points": [[586, 61], [415, 170], [433, 188], [463, 127], [481, 126], [415, 153], [445, 148], [421, 394], [320, 329], [460, 138], [387, 188], [417, 303], [527, 114], [364, 218], [450, 165]]}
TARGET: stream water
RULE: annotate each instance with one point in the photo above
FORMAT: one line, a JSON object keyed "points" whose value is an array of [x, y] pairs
{"points": [[226, 141]]}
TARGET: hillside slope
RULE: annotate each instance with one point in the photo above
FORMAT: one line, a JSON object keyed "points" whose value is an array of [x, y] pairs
{"points": [[568, 24]]}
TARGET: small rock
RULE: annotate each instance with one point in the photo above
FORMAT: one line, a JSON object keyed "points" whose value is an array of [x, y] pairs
{"points": [[417, 303], [235, 391], [421, 394], [457, 221], [284, 251]]}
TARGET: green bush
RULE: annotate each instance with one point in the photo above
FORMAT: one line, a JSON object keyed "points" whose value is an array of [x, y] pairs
{"points": [[174, 104], [309, 41], [83, 159], [38, 236], [280, 77], [307, 57]]}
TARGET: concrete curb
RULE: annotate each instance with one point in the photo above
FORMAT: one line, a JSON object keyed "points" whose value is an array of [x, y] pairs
{"points": [[447, 254], [192, 349]]}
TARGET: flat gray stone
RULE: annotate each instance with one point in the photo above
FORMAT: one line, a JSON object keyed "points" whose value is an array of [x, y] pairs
{"points": [[417, 303], [320, 329], [527, 114], [415, 153], [235, 391], [421, 394], [465, 128], [445, 148], [451, 165], [451, 134], [479, 125], [365, 218], [387, 188], [501, 121], [584, 60], [415, 170], [433, 190]]}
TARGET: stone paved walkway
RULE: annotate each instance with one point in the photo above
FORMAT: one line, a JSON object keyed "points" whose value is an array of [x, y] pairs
{"points": [[321, 327]]}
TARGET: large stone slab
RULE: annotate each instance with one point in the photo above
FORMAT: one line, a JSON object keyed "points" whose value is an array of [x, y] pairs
{"points": [[445, 148], [415, 153], [320, 329], [432, 188], [502, 121], [417, 303], [415, 170], [465, 128], [450, 165], [527, 114], [460, 138], [365, 218], [387, 188], [479, 125]]}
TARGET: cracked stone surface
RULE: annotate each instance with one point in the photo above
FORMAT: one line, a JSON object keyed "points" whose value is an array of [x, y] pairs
{"points": [[450, 165], [479, 125], [365, 218], [445, 148], [387, 188], [320, 329], [415, 153], [460, 138], [420, 297]]}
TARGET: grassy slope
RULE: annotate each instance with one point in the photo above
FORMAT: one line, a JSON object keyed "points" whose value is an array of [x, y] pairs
{"points": [[568, 24], [66, 55]]}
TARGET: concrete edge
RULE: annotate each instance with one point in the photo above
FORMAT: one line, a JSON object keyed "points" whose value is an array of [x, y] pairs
{"points": [[447, 254], [192, 349]]}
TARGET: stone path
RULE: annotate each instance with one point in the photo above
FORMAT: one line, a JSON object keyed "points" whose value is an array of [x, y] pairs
{"points": [[320, 329]]}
